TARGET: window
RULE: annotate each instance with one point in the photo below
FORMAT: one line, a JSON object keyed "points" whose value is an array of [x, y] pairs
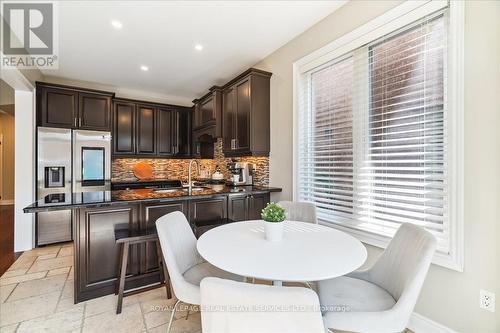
{"points": [[373, 133]]}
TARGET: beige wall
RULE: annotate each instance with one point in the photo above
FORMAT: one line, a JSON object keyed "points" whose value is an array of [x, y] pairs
{"points": [[7, 180], [448, 297]]}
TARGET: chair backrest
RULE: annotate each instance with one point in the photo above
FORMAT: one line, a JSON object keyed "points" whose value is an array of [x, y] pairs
{"points": [[299, 211], [230, 306], [403, 266], [178, 245]]}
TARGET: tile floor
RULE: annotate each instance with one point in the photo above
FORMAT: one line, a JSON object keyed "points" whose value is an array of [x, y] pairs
{"points": [[36, 295]]}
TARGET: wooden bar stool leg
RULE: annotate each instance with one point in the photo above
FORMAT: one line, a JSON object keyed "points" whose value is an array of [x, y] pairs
{"points": [[123, 272], [163, 269], [117, 286]]}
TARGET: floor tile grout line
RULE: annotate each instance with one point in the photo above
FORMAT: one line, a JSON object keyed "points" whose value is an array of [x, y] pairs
{"points": [[83, 316], [143, 315], [5, 300]]}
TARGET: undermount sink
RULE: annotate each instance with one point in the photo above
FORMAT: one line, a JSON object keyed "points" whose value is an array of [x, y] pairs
{"points": [[195, 188], [168, 190], [176, 189]]}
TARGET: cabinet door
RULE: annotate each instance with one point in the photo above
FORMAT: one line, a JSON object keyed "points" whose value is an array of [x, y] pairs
{"points": [[228, 119], [57, 107], [243, 115], [165, 134], [123, 128], [237, 208], [98, 255], [146, 130], [206, 112], [182, 136], [150, 213], [207, 211], [94, 112], [256, 203]]}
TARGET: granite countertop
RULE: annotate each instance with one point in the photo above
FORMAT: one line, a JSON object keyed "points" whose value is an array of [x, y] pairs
{"points": [[120, 197]]}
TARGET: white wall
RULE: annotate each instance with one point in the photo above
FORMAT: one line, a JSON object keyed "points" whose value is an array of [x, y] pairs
{"points": [[25, 170], [448, 297]]}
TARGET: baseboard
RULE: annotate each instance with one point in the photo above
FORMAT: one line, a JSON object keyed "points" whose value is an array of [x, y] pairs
{"points": [[421, 324], [6, 202]]}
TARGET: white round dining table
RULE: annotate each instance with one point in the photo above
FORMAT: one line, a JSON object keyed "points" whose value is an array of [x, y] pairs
{"points": [[307, 252]]}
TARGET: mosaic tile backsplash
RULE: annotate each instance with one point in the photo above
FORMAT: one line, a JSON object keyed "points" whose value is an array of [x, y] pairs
{"points": [[121, 168]]}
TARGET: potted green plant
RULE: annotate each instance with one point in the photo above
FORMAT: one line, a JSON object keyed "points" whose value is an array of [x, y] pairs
{"points": [[273, 215]]}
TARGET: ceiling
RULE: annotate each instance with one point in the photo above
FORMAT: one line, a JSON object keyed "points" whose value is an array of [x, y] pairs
{"points": [[161, 35]]}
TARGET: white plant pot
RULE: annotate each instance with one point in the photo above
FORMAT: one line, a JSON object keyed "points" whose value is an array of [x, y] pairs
{"points": [[274, 231]]}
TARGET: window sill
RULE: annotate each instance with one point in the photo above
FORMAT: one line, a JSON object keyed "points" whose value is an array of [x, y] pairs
{"points": [[449, 261]]}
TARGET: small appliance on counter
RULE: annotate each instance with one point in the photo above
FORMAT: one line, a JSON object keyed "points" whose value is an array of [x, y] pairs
{"points": [[241, 173]]}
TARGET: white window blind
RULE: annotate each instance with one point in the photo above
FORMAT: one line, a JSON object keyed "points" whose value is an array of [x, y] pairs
{"points": [[372, 135]]}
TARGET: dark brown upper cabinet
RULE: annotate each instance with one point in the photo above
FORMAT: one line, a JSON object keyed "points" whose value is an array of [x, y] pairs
{"points": [[165, 146], [123, 133], [246, 114], [208, 111], [70, 107], [181, 132], [146, 130], [94, 112], [154, 130]]}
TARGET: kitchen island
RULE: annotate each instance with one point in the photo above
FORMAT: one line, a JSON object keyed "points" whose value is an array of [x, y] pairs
{"points": [[97, 215]]}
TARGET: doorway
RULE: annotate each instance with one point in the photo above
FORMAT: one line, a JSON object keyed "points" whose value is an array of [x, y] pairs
{"points": [[7, 170]]}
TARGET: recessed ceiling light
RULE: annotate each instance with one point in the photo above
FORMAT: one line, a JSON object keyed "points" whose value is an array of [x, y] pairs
{"points": [[116, 24], [144, 68], [198, 47]]}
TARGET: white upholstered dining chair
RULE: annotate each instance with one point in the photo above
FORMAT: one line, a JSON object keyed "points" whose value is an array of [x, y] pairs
{"points": [[185, 266], [299, 211], [229, 306], [381, 298]]}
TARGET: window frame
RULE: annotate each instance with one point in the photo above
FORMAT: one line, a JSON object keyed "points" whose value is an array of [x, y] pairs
{"points": [[394, 19]]}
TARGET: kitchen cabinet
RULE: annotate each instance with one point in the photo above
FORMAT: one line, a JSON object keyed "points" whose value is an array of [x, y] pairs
{"points": [[153, 130], [204, 212], [165, 145], [208, 111], [146, 130], [149, 214], [94, 112], [70, 107], [181, 132], [96, 251], [246, 114], [123, 133], [247, 207]]}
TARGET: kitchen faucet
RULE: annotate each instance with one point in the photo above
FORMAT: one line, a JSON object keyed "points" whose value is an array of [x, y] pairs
{"points": [[190, 170]]}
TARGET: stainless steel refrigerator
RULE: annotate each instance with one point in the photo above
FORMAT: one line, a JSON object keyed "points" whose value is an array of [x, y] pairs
{"points": [[68, 161]]}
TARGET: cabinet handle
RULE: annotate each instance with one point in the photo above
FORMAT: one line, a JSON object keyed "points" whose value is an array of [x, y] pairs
{"points": [[76, 122], [79, 122]]}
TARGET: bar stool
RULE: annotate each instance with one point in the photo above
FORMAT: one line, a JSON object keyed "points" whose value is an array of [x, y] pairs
{"points": [[125, 238]]}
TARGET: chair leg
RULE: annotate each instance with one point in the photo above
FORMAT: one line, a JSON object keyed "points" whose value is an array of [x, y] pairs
{"points": [[123, 272], [172, 315], [187, 313], [117, 287], [163, 270]]}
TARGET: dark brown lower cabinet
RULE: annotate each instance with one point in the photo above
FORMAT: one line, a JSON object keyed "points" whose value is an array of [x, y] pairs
{"points": [[247, 207], [207, 211], [150, 213], [97, 255]]}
